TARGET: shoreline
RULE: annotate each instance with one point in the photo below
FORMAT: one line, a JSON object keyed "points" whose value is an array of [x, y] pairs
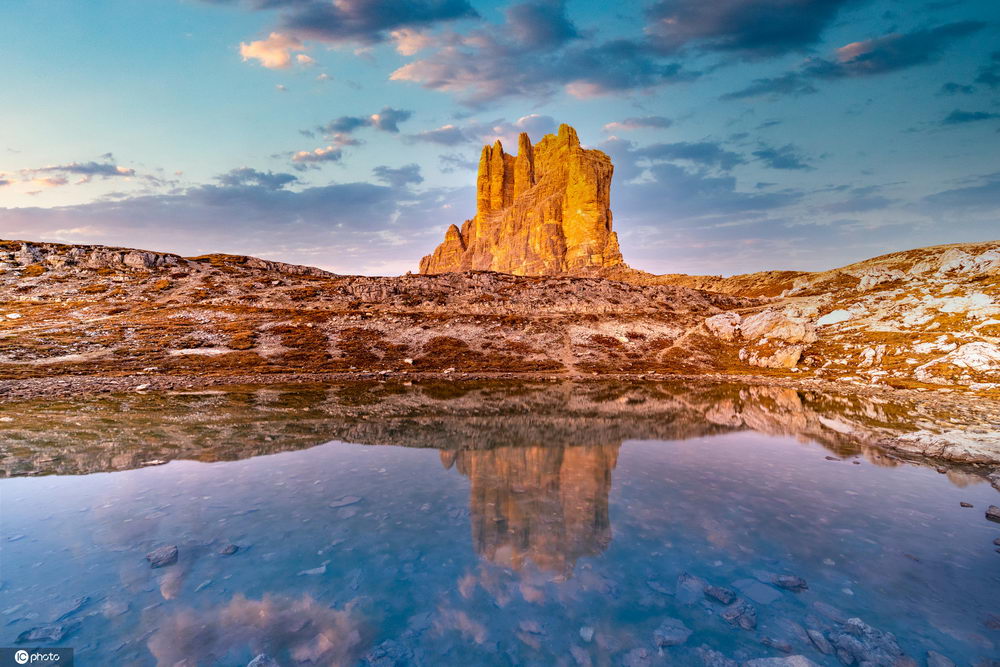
{"points": [[971, 441]]}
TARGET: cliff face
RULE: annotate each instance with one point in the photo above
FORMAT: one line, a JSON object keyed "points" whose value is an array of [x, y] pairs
{"points": [[544, 211]]}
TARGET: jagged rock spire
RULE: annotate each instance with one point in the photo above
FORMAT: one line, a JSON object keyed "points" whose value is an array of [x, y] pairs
{"points": [[544, 211]]}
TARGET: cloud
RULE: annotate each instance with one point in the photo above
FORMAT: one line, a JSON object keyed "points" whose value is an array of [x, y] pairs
{"points": [[57, 175], [638, 123], [894, 52], [983, 195], [959, 117], [989, 74], [313, 158], [952, 88], [451, 162], [409, 41], [784, 157], [536, 125], [344, 227], [536, 57], [399, 177], [275, 52], [705, 153], [246, 176], [791, 84], [541, 24], [387, 120], [749, 28], [357, 21], [882, 55], [446, 135]]}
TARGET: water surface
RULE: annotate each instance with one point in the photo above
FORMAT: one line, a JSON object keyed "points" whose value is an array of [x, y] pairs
{"points": [[520, 524]]}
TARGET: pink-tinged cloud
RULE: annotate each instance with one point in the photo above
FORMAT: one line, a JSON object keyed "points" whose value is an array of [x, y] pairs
{"points": [[409, 41], [275, 52]]}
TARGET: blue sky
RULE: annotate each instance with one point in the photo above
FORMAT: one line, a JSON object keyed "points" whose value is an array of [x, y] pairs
{"points": [[746, 134]]}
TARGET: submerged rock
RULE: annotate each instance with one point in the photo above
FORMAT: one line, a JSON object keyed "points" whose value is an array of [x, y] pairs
{"points": [[263, 660], [712, 658], [723, 595], [47, 634], [819, 641], [672, 632], [791, 582], [993, 513], [162, 556], [74, 607], [741, 614], [389, 653], [790, 661], [856, 642], [228, 550]]}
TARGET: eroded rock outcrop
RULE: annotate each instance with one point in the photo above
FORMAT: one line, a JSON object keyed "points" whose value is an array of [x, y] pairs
{"points": [[544, 211]]}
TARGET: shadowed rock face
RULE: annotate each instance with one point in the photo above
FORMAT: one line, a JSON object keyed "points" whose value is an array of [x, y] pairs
{"points": [[544, 211]]}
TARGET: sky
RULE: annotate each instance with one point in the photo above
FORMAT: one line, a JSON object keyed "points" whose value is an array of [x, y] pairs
{"points": [[746, 134]]}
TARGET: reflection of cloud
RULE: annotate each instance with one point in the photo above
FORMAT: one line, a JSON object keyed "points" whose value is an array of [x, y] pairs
{"points": [[306, 630]]}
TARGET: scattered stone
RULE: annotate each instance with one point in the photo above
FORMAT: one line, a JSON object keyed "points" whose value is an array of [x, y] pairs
{"points": [[263, 660], [790, 661], [74, 607], [712, 658], [791, 583], [162, 556], [856, 642], [935, 659], [831, 458], [203, 585], [723, 595], [993, 513], [833, 317], [672, 632], [741, 614], [819, 641], [316, 570], [344, 501], [389, 653], [47, 634], [153, 462], [228, 550], [777, 644], [586, 633], [965, 504], [997, 541]]}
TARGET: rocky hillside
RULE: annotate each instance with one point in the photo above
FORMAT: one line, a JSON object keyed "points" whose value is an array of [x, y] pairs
{"points": [[922, 319], [86, 310]]}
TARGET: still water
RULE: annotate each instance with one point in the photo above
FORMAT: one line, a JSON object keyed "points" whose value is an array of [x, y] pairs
{"points": [[518, 524]]}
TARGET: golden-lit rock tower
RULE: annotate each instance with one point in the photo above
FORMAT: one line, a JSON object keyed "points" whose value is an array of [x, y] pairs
{"points": [[544, 211]]}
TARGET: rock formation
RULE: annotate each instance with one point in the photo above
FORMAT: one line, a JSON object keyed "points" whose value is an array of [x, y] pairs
{"points": [[545, 211]]}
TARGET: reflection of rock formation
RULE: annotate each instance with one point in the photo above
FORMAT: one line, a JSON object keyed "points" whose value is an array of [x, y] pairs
{"points": [[103, 433], [544, 504]]}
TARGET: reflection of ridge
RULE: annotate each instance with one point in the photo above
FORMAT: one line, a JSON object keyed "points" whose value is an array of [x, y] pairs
{"points": [[547, 505]]}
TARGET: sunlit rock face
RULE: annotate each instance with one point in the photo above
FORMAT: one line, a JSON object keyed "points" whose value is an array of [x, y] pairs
{"points": [[543, 504], [544, 211]]}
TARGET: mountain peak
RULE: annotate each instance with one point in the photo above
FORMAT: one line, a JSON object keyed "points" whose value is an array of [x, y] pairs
{"points": [[544, 211]]}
